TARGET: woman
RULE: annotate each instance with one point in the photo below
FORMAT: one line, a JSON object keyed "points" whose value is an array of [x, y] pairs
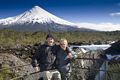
{"points": [[63, 59]]}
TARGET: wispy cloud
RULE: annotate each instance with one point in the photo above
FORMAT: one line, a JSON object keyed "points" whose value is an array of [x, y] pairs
{"points": [[115, 14], [100, 26]]}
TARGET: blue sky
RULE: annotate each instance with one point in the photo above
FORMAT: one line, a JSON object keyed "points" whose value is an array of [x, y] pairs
{"points": [[92, 11]]}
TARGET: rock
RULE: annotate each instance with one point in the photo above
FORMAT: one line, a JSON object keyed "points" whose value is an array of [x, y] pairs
{"points": [[13, 61], [86, 69]]}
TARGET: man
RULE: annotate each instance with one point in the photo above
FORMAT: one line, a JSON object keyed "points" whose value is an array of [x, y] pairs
{"points": [[63, 60], [44, 59]]}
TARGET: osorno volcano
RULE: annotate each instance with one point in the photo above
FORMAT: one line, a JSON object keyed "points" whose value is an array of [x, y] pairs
{"points": [[38, 19]]}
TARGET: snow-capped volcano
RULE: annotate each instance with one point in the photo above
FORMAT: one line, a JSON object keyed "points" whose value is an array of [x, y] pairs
{"points": [[37, 19], [36, 14]]}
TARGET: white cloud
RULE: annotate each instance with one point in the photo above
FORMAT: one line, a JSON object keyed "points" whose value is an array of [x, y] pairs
{"points": [[115, 14], [100, 26]]}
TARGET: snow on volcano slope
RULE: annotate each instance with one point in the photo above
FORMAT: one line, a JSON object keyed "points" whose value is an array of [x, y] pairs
{"points": [[37, 19]]}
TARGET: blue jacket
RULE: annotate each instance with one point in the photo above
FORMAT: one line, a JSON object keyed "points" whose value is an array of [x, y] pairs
{"points": [[62, 62]]}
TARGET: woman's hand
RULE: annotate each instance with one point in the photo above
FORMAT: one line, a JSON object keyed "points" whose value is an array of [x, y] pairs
{"points": [[36, 69], [69, 56]]}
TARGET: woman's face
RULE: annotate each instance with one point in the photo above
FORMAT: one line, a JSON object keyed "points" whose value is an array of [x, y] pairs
{"points": [[63, 44]]}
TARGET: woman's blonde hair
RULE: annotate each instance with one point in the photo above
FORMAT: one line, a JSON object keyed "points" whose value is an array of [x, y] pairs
{"points": [[63, 39]]}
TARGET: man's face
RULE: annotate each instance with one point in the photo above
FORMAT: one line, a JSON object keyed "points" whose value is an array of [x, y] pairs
{"points": [[63, 44], [50, 40]]}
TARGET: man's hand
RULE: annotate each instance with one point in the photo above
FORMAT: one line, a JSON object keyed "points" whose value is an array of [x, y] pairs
{"points": [[36, 69]]}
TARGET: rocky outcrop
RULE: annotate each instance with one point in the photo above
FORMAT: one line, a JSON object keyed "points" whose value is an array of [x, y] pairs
{"points": [[15, 65], [87, 65], [18, 59], [114, 49], [24, 53], [82, 69]]}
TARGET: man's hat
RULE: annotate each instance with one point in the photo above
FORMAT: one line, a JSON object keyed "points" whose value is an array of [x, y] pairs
{"points": [[49, 36]]}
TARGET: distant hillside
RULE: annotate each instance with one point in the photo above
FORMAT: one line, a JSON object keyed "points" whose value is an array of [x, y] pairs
{"points": [[10, 37]]}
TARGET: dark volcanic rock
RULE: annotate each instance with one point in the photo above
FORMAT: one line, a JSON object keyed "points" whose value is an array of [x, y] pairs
{"points": [[114, 49]]}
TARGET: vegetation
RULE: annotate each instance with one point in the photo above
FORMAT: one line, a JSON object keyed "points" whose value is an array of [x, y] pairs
{"points": [[10, 37], [114, 71], [5, 72]]}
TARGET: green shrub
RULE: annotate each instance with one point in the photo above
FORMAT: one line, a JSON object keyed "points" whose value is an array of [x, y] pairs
{"points": [[5, 72], [10, 37]]}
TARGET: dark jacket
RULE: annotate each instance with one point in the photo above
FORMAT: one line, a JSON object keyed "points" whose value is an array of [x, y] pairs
{"points": [[44, 57], [62, 62]]}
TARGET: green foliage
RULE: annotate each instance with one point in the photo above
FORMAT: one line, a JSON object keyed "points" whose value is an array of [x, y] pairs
{"points": [[10, 37], [114, 71], [5, 72]]}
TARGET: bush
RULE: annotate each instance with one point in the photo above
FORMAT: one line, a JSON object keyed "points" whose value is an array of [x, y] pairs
{"points": [[5, 72]]}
